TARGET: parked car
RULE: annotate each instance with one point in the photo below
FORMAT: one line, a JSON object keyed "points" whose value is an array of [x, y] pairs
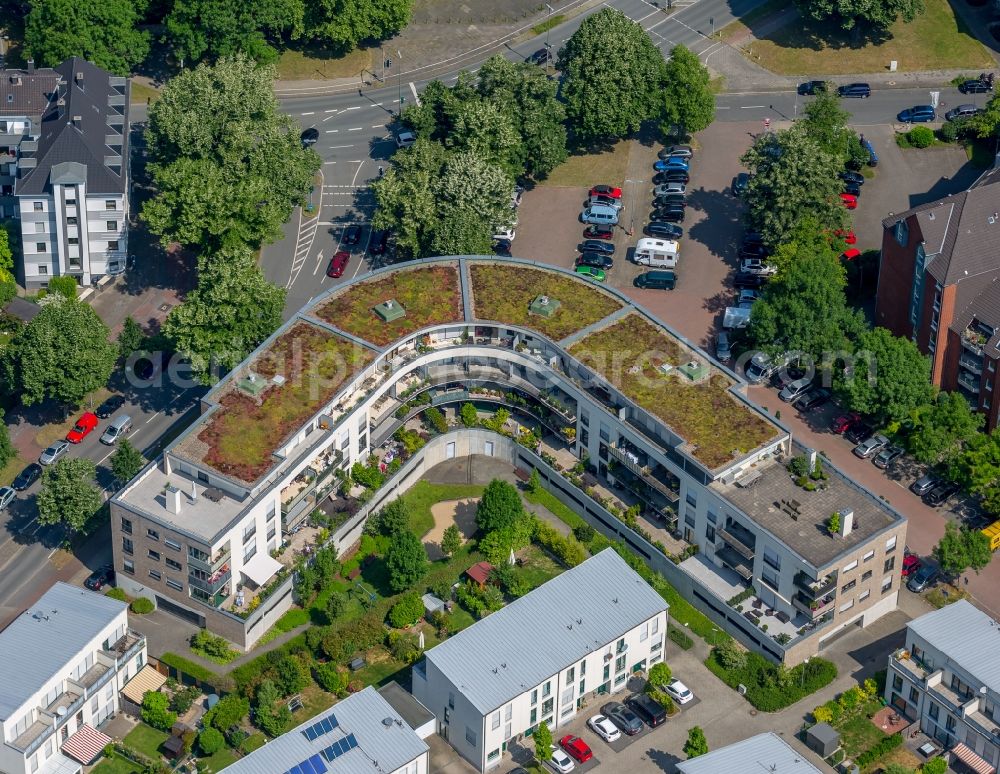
{"points": [[917, 114], [596, 246], [795, 389], [597, 260], [666, 200], [600, 215], [960, 112], [606, 190], [840, 424], [656, 280], [853, 189], [561, 762], [812, 399], [922, 579], [7, 495], [673, 162], [911, 563], [723, 353], [541, 57], [671, 176], [651, 711], [887, 456], [27, 477], [681, 151], [924, 484], [577, 748], [604, 728], [54, 452], [352, 235], [405, 139], [941, 493], [119, 428], [976, 86], [110, 406], [859, 431], [501, 246], [591, 273], [810, 88], [607, 201], [83, 427], [740, 183], [851, 177], [598, 232], [378, 243], [338, 264], [669, 188], [850, 201], [100, 579], [753, 250], [748, 279], [623, 717], [859, 90], [847, 235], [870, 446], [309, 137], [670, 214], [668, 230], [757, 266], [677, 691]]}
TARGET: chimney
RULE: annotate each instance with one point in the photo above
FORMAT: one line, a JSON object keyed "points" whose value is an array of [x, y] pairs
{"points": [[79, 79], [78, 122], [194, 492], [173, 495], [166, 465], [846, 522], [31, 66]]}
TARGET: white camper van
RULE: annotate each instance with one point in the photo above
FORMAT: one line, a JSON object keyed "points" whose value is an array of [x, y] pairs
{"points": [[657, 253]]}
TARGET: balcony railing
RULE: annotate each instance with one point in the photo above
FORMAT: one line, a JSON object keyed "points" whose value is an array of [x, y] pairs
{"points": [[221, 557], [973, 364], [814, 608], [973, 341], [815, 588], [126, 647], [211, 586], [736, 562], [737, 542], [969, 383], [912, 667], [33, 737]]}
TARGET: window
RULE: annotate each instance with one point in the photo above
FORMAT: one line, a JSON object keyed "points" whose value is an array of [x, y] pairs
{"points": [[38, 206], [546, 689], [566, 697], [619, 663], [772, 558], [40, 247], [494, 754], [129, 566], [71, 220], [39, 228], [154, 574], [933, 711], [249, 553], [534, 698], [507, 713], [656, 628], [73, 241], [175, 585], [110, 204], [127, 546], [914, 695], [848, 586], [890, 545], [249, 531], [172, 564], [847, 606], [950, 723], [691, 500], [451, 700], [848, 567], [127, 526], [902, 233], [620, 647], [889, 564], [897, 682], [547, 707], [582, 689], [583, 668], [886, 584], [644, 632], [112, 225], [570, 674], [172, 544], [566, 710], [79, 718], [620, 679], [534, 716], [607, 672], [41, 269], [154, 555], [712, 518], [770, 579], [495, 721], [112, 244], [152, 534]]}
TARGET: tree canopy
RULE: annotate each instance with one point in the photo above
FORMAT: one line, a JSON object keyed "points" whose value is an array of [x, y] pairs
{"points": [[499, 508], [856, 14], [6, 257], [977, 468], [961, 549], [68, 495], [406, 561], [198, 29], [341, 24], [689, 101], [825, 123], [126, 462], [942, 428], [613, 77]]}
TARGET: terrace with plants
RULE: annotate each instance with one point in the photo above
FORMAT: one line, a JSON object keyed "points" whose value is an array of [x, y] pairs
{"points": [[285, 385], [504, 292], [662, 376], [427, 295]]}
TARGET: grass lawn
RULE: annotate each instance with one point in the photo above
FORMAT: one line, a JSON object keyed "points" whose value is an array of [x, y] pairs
{"points": [[936, 40], [315, 65], [859, 734], [505, 292], [146, 740], [900, 755], [143, 94], [10, 470], [538, 567], [216, 763], [116, 765], [548, 24], [585, 169], [314, 701], [422, 495]]}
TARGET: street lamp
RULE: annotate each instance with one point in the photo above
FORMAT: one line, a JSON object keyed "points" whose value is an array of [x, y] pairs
{"points": [[399, 86], [805, 666], [548, 46]]}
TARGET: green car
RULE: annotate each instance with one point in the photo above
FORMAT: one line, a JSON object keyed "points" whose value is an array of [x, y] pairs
{"points": [[591, 272]]}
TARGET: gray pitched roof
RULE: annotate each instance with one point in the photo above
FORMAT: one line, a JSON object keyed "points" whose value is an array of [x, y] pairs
{"points": [[981, 299], [46, 639], [967, 636], [26, 94], [64, 140], [574, 614], [764, 753], [381, 746]]}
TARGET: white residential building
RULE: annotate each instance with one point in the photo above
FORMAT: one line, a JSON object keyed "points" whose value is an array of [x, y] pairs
{"points": [[579, 635], [62, 664], [764, 753]]}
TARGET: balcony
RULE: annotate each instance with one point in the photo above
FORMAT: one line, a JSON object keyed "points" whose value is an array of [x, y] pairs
{"points": [[814, 608], [969, 383], [630, 460], [221, 557], [95, 677], [127, 647], [813, 588], [973, 364], [739, 539], [65, 706], [33, 736], [736, 562], [213, 584], [974, 340], [912, 667]]}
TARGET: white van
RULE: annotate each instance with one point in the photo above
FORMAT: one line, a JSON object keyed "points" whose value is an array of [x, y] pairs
{"points": [[658, 253], [117, 429]]}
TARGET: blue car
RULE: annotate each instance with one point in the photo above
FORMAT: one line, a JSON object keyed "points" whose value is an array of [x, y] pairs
{"points": [[674, 162], [917, 114]]}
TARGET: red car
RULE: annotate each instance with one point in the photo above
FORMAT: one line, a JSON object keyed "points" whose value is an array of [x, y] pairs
{"points": [[598, 232], [576, 747], [850, 201], [911, 563], [851, 253], [840, 424], [849, 236], [606, 190], [82, 428], [338, 264]]}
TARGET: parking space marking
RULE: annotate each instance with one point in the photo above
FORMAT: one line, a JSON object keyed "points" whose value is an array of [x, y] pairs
{"points": [[331, 131], [311, 113]]}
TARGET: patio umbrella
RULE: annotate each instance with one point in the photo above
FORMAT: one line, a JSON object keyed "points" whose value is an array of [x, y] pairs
{"points": [[511, 559]]}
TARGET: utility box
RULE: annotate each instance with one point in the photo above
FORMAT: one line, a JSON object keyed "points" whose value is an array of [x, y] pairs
{"points": [[823, 739]]}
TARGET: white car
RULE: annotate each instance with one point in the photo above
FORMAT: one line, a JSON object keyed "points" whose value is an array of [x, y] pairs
{"points": [[604, 728], [7, 495], [405, 139], [669, 188], [505, 232], [54, 452], [679, 692], [561, 762]]}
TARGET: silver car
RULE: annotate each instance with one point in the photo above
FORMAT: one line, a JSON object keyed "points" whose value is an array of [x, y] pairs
{"points": [[866, 449], [795, 389], [669, 188], [722, 351], [7, 495], [54, 452]]}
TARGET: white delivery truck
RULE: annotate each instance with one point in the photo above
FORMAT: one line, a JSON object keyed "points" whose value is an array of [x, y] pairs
{"points": [[657, 253]]}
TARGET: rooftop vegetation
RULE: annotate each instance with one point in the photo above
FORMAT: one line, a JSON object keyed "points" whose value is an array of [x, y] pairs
{"points": [[429, 294], [629, 354], [244, 432], [503, 292]]}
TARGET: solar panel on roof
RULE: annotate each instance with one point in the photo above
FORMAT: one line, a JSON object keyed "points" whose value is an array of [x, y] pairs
{"points": [[320, 727], [317, 763], [313, 765], [339, 747]]}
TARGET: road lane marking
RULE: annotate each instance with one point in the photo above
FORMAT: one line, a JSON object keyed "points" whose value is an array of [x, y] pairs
{"points": [[413, 91], [331, 110], [328, 118], [331, 131], [750, 107], [336, 147], [377, 126], [352, 107], [311, 113], [329, 162], [355, 129]]}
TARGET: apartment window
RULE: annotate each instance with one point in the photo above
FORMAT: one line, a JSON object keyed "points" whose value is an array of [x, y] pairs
{"points": [[866, 576], [112, 244], [848, 567], [607, 672], [991, 365], [451, 700], [152, 534], [604, 434], [897, 683], [249, 531], [869, 556], [534, 716], [175, 585], [620, 679], [38, 206], [619, 663], [583, 668], [847, 606], [566, 710], [172, 564], [889, 564], [546, 689], [40, 247], [172, 544], [249, 553], [848, 586], [129, 566], [691, 500], [73, 241], [508, 713], [934, 711], [155, 574], [770, 579], [902, 233], [914, 695], [712, 518], [534, 697], [94, 704], [71, 220], [567, 697], [644, 632], [890, 545], [154, 555], [886, 584], [950, 724], [495, 721], [547, 707], [271, 531], [582, 689], [111, 225], [127, 546], [110, 204], [127, 526], [570, 674], [772, 558], [494, 754], [620, 647], [39, 228], [41, 269]]}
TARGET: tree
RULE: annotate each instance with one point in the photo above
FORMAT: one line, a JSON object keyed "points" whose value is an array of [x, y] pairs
{"points": [[270, 716], [890, 377], [985, 123], [613, 77], [933, 766], [942, 428], [499, 508], [156, 711], [336, 605], [825, 123], [65, 285], [977, 468], [543, 742], [392, 519], [67, 495], [407, 611], [196, 28], [63, 353], [451, 541], [227, 165], [792, 178], [104, 32], [696, 743], [341, 24], [858, 14], [473, 199], [960, 549], [689, 101], [233, 309], [229, 712], [292, 674], [126, 462], [6, 258], [534, 482], [406, 561], [470, 418], [131, 337], [486, 130], [7, 450], [210, 741]]}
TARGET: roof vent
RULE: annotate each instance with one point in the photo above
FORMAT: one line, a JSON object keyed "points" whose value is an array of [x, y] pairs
{"points": [[930, 216], [278, 379], [79, 78], [387, 722]]}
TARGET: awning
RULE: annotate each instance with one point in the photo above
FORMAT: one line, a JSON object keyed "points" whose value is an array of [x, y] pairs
{"points": [[147, 679], [973, 761], [86, 744], [261, 568]]}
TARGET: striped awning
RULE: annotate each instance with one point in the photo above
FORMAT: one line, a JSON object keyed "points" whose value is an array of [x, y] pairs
{"points": [[973, 761], [147, 679], [86, 744]]}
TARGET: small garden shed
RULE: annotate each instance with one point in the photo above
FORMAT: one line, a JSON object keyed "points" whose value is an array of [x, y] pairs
{"points": [[823, 739]]}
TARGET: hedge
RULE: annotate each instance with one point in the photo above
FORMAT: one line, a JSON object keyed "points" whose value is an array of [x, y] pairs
{"points": [[190, 668], [679, 637], [880, 749], [760, 678]]}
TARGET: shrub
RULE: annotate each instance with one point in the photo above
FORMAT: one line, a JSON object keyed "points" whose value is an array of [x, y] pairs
{"points": [[142, 605], [770, 687], [696, 743], [679, 637], [879, 749], [212, 646], [270, 716], [451, 541], [822, 714], [935, 766], [469, 416], [584, 533], [567, 549], [117, 593], [404, 647], [183, 698], [368, 477], [331, 678], [407, 611], [543, 741], [65, 285], [659, 675], [920, 136], [155, 711], [948, 133], [509, 578], [435, 420], [210, 741], [228, 712], [291, 674]]}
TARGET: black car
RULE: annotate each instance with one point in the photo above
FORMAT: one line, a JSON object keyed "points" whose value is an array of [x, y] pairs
{"points": [[740, 183], [924, 484], [597, 260], [860, 90], [598, 232], [940, 493], [977, 86], [596, 246], [541, 57], [27, 477], [671, 176], [110, 406], [812, 87], [887, 456], [650, 710], [852, 188], [668, 230], [812, 399], [379, 241], [851, 177], [99, 579], [309, 137], [749, 280], [622, 717], [752, 250], [859, 431], [352, 235], [501, 247], [753, 238], [961, 112], [923, 578], [667, 199], [672, 214]]}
